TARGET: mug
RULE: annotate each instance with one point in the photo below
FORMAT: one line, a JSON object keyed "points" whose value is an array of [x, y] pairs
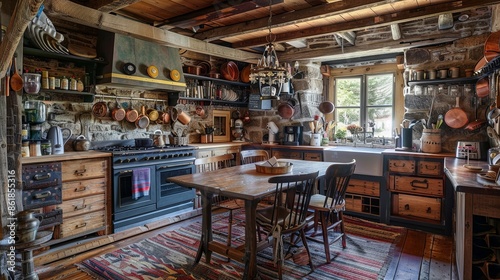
{"points": [[431, 74], [420, 75], [454, 72]]}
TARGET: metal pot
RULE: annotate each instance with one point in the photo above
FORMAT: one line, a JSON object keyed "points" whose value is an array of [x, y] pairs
{"points": [[285, 110], [143, 142], [81, 144], [158, 138]]}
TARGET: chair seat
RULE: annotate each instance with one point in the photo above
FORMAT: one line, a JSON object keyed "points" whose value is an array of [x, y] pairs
{"points": [[318, 202], [264, 215]]}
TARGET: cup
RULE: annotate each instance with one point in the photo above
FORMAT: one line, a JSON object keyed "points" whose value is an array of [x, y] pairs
{"points": [[454, 72], [431, 74], [420, 75]]}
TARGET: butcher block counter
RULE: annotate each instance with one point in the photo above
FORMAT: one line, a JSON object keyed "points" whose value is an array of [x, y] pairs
{"points": [[474, 197], [66, 156]]}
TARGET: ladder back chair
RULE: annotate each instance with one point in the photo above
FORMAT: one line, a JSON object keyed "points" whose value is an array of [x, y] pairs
{"points": [[251, 156], [329, 207], [215, 163], [287, 215]]}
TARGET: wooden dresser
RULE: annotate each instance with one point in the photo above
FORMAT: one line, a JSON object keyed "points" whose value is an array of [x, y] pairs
{"points": [[85, 193], [475, 198]]}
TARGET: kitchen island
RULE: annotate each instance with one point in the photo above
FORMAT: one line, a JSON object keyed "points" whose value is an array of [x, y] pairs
{"points": [[474, 197]]}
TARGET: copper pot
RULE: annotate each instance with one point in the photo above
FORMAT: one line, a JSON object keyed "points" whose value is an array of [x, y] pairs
{"points": [[118, 113], [100, 109], [132, 114], [285, 110], [143, 120]]}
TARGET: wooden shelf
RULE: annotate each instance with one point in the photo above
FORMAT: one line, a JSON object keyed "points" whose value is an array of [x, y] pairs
{"points": [[468, 80], [221, 81]]}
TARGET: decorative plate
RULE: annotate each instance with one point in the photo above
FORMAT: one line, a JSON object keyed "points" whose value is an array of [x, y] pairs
{"points": [[153, 71]]}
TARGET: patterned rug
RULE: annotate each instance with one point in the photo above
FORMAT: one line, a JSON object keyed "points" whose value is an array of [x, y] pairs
{"points": [[170, 255]]}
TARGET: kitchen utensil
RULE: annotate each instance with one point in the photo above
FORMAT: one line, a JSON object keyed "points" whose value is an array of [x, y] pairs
{"points": [[326, 107], [491, 46], [81, 143], [205, 68], [118, 113], [493, 135], [182, 116], [476, 124], [456, 117], [100, 109], [7, 81], [55, 135], [16, 81], [152, 113], [132, 114], [143, 120], [245, 73], [285, 110], [158, 138], [439, 121], [482, 87]]}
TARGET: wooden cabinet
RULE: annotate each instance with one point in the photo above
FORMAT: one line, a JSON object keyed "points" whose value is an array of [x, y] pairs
{"points": [[363, 196], [218, 150], [417, 192], [84, 197], [297, 153]]}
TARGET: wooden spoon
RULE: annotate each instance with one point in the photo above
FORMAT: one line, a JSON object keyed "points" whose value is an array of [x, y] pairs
{"points": [[16, 81]]}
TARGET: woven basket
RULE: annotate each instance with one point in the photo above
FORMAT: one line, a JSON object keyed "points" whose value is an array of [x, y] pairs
{"points": [[281, 167], [431, 141]]}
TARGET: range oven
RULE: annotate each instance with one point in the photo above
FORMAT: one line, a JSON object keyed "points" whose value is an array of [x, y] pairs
{"points": [[163, 197]]}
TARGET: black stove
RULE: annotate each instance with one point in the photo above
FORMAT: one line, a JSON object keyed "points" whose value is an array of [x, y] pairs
{"points": [[163, 197]]}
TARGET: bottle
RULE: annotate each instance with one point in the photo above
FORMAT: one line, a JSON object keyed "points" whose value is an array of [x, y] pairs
{"points": [[35, 149], [46, 147], [25, 148], [45, 79], [72, 83], [79, 85], [25, 130], [57, 82], [52, 83], [64, 83]]}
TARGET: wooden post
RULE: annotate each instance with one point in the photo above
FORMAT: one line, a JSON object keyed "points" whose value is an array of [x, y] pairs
{"points": [[22, 14]]}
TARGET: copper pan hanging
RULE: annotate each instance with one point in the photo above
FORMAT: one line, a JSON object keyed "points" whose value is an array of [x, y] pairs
{"points": [[492, 46]]}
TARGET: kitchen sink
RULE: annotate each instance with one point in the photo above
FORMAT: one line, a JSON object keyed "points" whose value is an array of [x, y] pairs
{"points": [[369, 161]]}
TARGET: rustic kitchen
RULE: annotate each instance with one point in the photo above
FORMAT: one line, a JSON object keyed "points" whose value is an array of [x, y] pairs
{"points": [[107, 108]]}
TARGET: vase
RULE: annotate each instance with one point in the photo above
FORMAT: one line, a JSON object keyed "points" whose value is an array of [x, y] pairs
{"points": [[27, 226]]}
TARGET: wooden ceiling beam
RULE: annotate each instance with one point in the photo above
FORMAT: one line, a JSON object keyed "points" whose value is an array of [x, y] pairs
{"points": [[72, 12], [378, 21], [108, 6], [214, 12], [316, 12]]}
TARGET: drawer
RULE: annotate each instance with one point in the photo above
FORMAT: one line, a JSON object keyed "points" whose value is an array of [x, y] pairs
{"points": [[82, 223], [42, 175], [402, 166], [365, 187], [289, 155], [84, 169], [204, 154], [49, 219], [82, 205], [417, 185], [353, 203], [313, 156], [83, 188], [36, 198], [432, 168], [417, 206]]}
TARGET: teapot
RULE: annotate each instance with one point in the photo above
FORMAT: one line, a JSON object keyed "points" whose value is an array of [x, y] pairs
{"points": [[81, 143], [57, 140]]}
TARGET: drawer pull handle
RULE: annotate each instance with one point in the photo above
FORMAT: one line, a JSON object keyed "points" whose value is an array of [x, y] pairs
{"points": [[39, 177], [80, 189], [407, 207], [80, 172], [428, 210], [427, 167], [402, 165], [420, 184], [80, 207], [81, 225], [42, 195]]}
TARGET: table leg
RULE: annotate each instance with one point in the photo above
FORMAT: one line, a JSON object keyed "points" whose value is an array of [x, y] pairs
{"points": [[206, 227], [250, 240]]}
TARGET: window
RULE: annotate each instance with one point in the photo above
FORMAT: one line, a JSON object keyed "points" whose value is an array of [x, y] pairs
{"points": [[367, 101]]}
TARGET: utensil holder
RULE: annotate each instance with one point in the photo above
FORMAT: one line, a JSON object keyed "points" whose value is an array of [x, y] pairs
{"points": [[182, 141], [207, 138], [315, 139], [406, 138], [431, 141]]}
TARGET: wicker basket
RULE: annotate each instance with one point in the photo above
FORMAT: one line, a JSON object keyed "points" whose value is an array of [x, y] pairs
{"points": [[281, 167]]}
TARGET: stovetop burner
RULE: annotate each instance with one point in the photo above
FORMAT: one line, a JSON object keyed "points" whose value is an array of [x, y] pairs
{"points": [[116, 148]]}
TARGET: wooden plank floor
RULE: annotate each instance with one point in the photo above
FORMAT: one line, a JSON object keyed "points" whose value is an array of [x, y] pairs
{"points": [[419, 255]]}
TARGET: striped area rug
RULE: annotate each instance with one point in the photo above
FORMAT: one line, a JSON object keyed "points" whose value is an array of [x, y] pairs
{"points": [[170, 255]]}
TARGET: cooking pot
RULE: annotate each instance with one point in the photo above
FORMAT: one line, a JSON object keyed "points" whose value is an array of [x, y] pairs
{"points": [[285, 110], [153, 114], [132, 114], [81, 144], [181, 116], [326, 107], [143, 120], [143, 142], [118, 113], [100, 109]]}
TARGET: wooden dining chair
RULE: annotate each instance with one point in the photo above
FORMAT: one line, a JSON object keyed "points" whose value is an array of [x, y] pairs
{"points": [[287, 215], [329, 207], [215, 163], [251, 156]]}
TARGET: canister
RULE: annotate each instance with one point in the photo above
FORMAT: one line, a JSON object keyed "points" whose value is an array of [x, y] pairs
{"points": [[431, 141]]}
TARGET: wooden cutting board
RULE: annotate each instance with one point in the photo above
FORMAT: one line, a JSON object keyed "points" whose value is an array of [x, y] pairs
{"points": [[82, 51]]}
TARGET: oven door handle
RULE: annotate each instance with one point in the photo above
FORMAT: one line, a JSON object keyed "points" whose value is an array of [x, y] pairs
{"points": [[173, 165], [125, 172]]}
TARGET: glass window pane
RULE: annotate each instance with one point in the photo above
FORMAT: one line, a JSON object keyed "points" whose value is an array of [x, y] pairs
{"points": [[348, 91], [347, 116], [382, 117], [380, 89]]}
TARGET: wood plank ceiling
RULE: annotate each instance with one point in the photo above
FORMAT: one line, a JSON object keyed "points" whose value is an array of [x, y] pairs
{"points": [[243, 24]]}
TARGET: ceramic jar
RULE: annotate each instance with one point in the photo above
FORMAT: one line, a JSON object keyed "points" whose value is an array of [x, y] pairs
{"points": [[27, 226]]}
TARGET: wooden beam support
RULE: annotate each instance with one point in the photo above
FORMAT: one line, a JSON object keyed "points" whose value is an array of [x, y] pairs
{"points": [[107, 6], [378, 21], [73, 12]]}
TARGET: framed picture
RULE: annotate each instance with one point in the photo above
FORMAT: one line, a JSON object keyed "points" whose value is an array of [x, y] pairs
{"points": [[222, 126]]}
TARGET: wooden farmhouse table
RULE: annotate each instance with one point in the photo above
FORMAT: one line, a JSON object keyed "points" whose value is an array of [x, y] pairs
{"points": [[240, 182]]}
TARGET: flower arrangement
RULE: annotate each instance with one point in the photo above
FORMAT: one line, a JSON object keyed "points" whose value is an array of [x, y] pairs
{"points": [[354, 128]]}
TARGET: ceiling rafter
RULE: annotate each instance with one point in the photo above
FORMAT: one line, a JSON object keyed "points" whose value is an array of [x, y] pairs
{"points": [[108, 6], [378, 21]]}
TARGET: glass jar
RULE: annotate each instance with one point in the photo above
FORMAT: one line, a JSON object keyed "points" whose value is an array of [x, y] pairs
{"points": [[64, 83], [32, 82], [72, 84], [25, 148], [46, 147], [35, 149]]}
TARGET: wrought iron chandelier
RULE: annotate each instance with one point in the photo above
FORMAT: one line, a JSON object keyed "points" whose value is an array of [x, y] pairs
{"points": [[268, 73]]}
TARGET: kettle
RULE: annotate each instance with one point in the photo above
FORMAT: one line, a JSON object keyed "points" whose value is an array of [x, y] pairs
{"points": [[55, 136]]}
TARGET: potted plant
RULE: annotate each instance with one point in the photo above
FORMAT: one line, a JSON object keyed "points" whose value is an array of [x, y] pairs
{"points": [[340, 135]]}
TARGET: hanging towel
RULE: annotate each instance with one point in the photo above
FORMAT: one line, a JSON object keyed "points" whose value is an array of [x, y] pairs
{"points": [[140, 182]]}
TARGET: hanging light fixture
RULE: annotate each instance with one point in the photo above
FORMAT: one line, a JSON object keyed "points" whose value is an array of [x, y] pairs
{"points": [[268, 73]]}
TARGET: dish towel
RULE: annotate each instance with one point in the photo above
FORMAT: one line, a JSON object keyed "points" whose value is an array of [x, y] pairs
{"points": [[140, 182]]}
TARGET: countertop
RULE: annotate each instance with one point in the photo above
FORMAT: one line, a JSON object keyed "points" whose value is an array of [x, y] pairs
{"points": [[464, 180], [65, 156]]}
